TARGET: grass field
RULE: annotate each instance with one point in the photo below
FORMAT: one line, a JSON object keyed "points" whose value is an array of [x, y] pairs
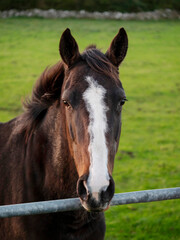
{"points": [[149, 152]]}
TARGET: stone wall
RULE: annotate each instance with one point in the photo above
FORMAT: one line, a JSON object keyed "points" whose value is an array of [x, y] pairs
{"points": [[52, 13]]}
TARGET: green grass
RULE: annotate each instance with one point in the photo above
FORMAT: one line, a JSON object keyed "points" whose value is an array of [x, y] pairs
{"points": [[149, 152]]}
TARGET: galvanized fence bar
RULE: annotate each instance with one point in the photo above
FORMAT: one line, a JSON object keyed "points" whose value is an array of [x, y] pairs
{"points": [[73, 204]]}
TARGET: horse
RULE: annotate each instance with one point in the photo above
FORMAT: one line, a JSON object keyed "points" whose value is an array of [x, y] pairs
{"points": [[64, 143]]}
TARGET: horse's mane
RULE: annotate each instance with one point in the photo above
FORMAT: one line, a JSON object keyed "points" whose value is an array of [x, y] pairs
{"points": [[48, 87], [45, 92]]}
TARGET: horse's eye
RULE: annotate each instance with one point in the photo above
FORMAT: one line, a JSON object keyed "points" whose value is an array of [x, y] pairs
{"points": [[122, 102], [66, 103]]}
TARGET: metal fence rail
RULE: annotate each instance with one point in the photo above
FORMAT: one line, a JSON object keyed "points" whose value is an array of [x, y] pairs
{"points": [[72, 204]]}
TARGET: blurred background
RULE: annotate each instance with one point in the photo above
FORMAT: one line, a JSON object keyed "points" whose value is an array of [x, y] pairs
{"points": [[98, 5], [149, 151]]}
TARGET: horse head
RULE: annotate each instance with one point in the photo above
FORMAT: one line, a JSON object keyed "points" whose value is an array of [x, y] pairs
{"points": [[91, 98]]}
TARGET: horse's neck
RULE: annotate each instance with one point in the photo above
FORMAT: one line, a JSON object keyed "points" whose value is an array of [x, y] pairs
{"points": [[53, 158]]}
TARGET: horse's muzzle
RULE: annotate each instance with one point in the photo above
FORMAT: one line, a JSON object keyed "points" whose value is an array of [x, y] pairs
{"points": [[95, 201]]}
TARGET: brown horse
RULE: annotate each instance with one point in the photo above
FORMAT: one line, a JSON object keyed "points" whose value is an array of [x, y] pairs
{"points": [[64, 144]]}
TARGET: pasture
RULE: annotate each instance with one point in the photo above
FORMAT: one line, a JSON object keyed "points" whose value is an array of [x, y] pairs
{"points": [[149, 151]]}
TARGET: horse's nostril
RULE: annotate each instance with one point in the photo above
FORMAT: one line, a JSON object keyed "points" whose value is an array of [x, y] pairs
{"points": [[82, 189], [107, 195]]}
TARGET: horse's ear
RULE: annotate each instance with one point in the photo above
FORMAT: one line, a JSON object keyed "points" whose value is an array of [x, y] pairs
{"points": [[118, 48], [68, 48]]}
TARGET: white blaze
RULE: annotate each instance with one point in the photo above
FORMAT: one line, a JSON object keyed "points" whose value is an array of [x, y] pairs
{"points": [[98, 172]]}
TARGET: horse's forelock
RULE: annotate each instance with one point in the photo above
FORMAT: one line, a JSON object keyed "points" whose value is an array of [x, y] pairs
{"points": [[99, 62]]}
